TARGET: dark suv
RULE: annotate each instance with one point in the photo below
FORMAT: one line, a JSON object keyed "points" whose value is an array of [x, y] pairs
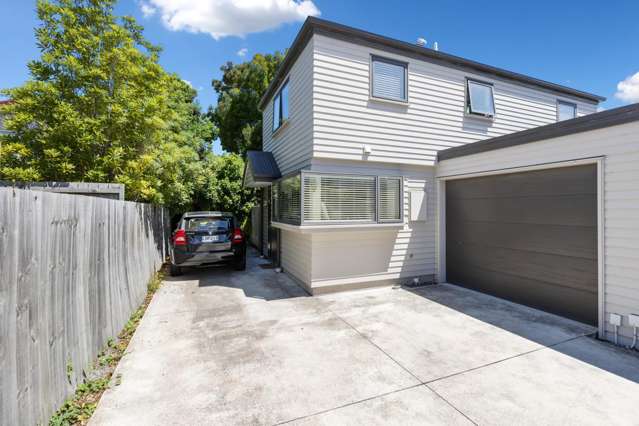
{"points": [[207, 238]]}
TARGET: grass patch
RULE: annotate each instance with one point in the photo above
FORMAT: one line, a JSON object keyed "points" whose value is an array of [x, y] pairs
{"points": [[78, 409]]}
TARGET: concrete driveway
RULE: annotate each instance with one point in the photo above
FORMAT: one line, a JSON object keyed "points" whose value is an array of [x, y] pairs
{"points": [[224, 347]]}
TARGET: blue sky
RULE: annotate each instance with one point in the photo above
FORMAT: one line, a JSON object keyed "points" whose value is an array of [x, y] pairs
{"points": [[588, 45]]}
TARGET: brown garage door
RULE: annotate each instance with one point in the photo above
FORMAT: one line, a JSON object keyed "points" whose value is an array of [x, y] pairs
{"points": [[529, 237]]}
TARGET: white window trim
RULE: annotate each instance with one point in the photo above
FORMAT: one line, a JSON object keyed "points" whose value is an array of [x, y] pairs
{"points": [[371, 95], [468, 113]]}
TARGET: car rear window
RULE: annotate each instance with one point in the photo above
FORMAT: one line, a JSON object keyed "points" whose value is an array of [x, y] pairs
{"points": [[208, 224]]}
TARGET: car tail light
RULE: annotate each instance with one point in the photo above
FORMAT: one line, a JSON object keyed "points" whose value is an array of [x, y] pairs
{"points": [[179, 238], [238, 236]]}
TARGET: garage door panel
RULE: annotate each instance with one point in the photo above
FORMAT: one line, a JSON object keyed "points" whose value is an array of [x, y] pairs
{"points": [[530, 237], [550, 239], [568, 210], [564, 301], [566, 271], [532, 184]]}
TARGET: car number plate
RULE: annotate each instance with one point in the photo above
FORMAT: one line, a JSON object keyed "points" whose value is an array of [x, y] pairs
{"points": [[210, 238]]}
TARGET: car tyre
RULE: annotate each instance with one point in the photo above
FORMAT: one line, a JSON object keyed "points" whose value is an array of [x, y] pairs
{"points": [[241, 265], [175, 270]]}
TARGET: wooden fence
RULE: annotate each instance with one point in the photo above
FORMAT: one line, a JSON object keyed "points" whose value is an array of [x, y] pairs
{"points": [[72, 270]]}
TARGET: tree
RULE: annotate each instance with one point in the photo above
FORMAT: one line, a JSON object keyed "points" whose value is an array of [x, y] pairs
{"points": [[100, 108], [237, 114], [222, 186]]}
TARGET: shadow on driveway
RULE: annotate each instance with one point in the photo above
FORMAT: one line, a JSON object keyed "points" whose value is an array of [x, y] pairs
{"points": [[538, 326], [258, 281]]}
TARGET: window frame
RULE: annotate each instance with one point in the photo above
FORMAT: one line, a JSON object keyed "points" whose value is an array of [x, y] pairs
{"points": [[572, 104], [467, 99], [378, 200], [319, 223], [276, 198], [278, 97], [391, 61]]}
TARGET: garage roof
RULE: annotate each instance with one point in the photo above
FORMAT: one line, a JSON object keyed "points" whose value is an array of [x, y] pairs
{"points": [[600, 120]]}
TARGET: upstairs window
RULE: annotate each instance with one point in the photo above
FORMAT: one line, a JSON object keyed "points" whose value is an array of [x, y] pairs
{"points": [[566, 110], [280, 107], [480, 99], [389, 79]]}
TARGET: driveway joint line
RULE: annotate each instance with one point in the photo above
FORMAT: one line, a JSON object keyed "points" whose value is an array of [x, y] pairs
{"points": [[450, 404], [405, 369], [543, 347], [378, 348], [328, 410]]}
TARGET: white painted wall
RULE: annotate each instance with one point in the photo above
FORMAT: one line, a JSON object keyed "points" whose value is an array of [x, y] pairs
{"points": [[619, 146], [296, 255], [345, 118], [359, 256], [291, 145]]}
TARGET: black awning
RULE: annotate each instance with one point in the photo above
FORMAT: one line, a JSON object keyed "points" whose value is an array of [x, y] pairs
{"points": [[261, 169]]}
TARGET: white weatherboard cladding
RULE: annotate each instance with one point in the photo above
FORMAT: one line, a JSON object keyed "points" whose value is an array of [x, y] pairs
{"points": [[345, 117], [296, 255], [619, 146], [371, 255], [291, 144]]}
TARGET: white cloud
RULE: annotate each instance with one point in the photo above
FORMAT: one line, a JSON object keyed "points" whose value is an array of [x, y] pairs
{"points": [[147, 9], [242, 52], [188, 82], [628, 89], [224, 18]]}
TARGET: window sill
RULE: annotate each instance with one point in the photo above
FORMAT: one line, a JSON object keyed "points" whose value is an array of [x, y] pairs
{"points": [[388, 101], [279, 130], [338, 227], [478, 117]]}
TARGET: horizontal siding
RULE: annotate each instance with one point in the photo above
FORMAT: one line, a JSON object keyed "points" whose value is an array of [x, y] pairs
{"points": [[291, 145], [345, 118], [296, 255], [378, 254], [620, 147]]}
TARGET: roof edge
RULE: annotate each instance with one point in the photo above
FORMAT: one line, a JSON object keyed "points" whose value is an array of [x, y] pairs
{"points": [[354, 35], [586, 123]]}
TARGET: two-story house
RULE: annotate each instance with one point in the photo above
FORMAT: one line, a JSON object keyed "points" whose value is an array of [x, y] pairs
{"points": [[349, 183]]}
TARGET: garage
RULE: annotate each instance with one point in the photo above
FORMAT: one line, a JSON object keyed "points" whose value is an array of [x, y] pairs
{"points": [[543, 259], [529, 237]]}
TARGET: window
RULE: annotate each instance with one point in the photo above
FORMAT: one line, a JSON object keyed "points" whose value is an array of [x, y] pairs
{"points": [[390, 200], [479, 99], [329, 198], [286, 200], [209, 224], [310, 198], [280, 107], [389, 79], [566, 110]]}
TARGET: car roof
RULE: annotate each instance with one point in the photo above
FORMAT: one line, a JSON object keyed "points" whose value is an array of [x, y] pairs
{"points": [[206, 214]]}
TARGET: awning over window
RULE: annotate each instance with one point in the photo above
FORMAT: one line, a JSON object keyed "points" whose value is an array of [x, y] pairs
{"points": [[260, 170]]}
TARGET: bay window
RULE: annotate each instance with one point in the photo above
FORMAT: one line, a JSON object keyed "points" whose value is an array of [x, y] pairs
{"points": [[311, 198]]}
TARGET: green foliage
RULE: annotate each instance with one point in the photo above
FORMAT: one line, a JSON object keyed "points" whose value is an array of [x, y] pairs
{"points": [[221, 186], [237, 115], [99, 107]]}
